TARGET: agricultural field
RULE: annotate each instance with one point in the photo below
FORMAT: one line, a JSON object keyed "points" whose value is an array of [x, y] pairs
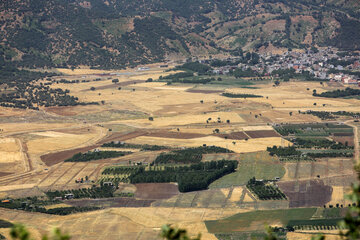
{"points": [[141, 124]]}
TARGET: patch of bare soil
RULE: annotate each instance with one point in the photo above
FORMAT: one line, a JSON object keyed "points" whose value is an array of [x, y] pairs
{"points": [[311, 193], [262, 134], [54, 158], [156, 191], [344, 139], [234, 135]]}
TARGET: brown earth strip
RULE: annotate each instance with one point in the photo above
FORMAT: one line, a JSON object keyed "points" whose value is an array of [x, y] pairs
{"points": [[344, 139], [54, 158], [2, 174], [156, 191], [262, 134], [234, 135], [313, 193]]}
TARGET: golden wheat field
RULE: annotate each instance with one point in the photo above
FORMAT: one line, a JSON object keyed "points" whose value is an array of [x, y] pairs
{"points": [[135, 111]]}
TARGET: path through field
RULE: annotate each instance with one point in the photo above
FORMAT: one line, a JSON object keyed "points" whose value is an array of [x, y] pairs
{"points": [[356, 141]]}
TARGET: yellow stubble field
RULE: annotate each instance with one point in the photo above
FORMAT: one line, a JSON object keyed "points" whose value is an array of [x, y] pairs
{"points": [[240, 146]]}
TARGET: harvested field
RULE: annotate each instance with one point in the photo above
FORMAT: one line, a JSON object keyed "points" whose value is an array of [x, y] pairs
{"points": [[262, 134], [111, 202], [306, 193], [204, 91], [57, 157], [239, 146], [234, 135], [344, 139], [178, 135], [156, 190]]}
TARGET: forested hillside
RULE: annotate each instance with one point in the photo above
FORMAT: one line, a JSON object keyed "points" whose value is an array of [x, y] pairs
{"points": [[119, 33]]}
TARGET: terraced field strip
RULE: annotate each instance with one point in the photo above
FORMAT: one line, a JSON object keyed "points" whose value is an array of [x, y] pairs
{"points": [[86, 171], [228, 197], [97, 171], [56, 175], [78, 167]]}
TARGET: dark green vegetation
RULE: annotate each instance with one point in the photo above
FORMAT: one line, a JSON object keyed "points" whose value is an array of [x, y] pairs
{"points": [[319, 143], [94, 192], [189, 178], [233, 95], [331, 115], [33, 204], [189, 155], [265, 190], [310, 141], [193, 177], [144, 147], [346, 93], [256, 220], [283, 151], [112, 35], [317, 129], [5, 224], [89, 156], [260, 164]]}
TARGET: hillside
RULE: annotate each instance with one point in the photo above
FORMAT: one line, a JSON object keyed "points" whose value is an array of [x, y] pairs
{"points": [[119, 33]]}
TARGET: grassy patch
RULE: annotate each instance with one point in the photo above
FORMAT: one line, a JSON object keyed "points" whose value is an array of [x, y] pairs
{"points": [[253, 221], [259, 165]]}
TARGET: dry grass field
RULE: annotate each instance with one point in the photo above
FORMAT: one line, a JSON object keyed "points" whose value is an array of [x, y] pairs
{"points": [[184, 115]]}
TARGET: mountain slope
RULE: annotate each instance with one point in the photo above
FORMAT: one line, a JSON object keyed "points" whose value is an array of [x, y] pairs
{"points": [[119, 33]]}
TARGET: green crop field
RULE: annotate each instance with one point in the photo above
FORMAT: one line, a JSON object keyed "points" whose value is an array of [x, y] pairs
{"points": [[259, 165], [257, 220]]}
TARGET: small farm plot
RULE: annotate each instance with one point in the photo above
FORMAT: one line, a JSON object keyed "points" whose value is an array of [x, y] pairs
{"points": [[265, 190], [260, 165], [256, 220], [313, 193]]}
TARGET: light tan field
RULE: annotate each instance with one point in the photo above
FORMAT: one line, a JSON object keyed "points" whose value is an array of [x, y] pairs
{"points": [[240, 146], [126, 112], [58, 141], [187, 119]]}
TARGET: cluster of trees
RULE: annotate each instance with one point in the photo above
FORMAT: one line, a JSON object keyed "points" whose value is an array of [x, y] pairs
{"points": [[34, 204], [117, 170], [94, 192], [194, 80], [315, 224], [265, 191], [330, 154], [189, 178], [143, 147], [195, 67], [95, 155], [239, 73], [178, 75], [348, 92], [189, 155], [283, 151], [65, 210], [319, 143], [241, 95]]}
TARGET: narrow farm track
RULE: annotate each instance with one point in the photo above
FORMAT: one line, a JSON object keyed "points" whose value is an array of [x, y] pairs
{"points": [[356, 141]]}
